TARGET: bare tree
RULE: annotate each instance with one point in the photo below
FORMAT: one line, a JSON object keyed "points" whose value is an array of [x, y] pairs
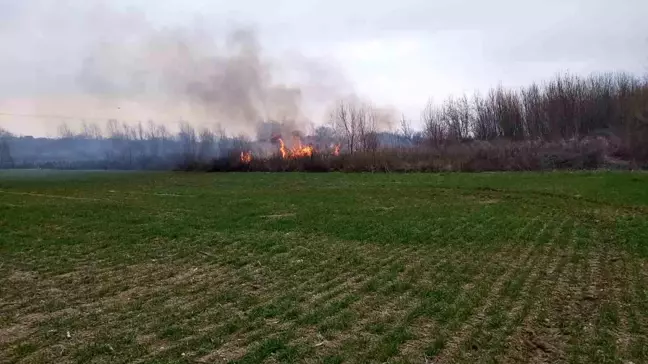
{"points": [[355, 124], [435, 129], [369, 119], [163, 138], [90, 131], [405, 129], [129, 132], [220, 131], [324, 133], [112, 129], [365, 125], [65, 132], [534, 113], [6, 160], [485, 124], [206, 144], [240, 143], [189, 142], [507, 109], [325, 137], [345, 121], [139, 131], [129, 137]]}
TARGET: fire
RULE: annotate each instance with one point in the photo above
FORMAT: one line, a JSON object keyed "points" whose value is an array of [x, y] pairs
{"points": [[336, 151], [282, 149], [246, 157], [297, 151]]}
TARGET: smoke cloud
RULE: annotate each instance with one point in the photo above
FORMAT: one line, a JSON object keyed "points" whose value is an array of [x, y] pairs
{"points": [[81, 61]]}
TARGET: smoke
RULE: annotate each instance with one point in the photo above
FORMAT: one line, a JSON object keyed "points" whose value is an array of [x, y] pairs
{"points": [[93, 61], [231, 85]]}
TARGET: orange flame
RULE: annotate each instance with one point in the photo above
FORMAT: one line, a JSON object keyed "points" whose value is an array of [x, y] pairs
{"points": [[246, 157], [282, 149], [297, 151]]}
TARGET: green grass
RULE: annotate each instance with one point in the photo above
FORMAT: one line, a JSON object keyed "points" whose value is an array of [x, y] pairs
{"points": [[323, 268]]}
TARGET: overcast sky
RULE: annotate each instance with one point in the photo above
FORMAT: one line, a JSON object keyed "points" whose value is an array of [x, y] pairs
{"points": [[396, 53]]}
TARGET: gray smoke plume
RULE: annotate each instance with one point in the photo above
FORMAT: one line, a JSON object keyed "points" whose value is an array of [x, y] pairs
{"points": [[93, 60], [232, 85]]}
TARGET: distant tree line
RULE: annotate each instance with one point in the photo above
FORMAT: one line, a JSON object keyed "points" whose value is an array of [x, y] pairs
{"points": [[6, 159], [566, 108], [117, 146], [567, 122]]}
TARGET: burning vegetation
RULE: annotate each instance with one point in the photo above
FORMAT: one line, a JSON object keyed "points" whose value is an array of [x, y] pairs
{"points": [[570, 123], [246, 157], [296, 150]]}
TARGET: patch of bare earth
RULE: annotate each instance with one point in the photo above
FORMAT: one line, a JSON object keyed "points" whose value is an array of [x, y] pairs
{"points": [[73, 198], [232, 350], [280, 216]]}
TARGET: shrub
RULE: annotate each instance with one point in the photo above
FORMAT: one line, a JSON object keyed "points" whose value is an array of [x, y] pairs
{"points": [[475, 156]]}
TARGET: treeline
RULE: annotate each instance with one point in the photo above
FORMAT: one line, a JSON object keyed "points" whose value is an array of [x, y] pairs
{"points": [[568, 107], [117, 146], [568, 122], [155, 146]]}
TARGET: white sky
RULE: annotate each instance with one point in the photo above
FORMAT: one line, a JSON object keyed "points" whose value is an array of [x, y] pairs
{"points": [[398, 53]]}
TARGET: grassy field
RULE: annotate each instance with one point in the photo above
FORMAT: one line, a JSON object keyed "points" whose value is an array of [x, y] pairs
{"points": [[323, 268]]}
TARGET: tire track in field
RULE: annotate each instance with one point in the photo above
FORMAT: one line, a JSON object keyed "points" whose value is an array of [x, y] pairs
{"points": [[316, 274], [327, 292], [514, 305], [453, 347], [502, 253], [619, 277], [525, 342], [177, 286], [405, 315], [639, 297], [358, 278], [310, 335], [423, 328], [635, 292], [612, 329], [543, 271], [375, 306], [569, 301], [583, 304], [527, 297], [408, 314], [237, 343], [411, 313], [72, 198], [331, 289], [598, 321], [401, 257]]}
